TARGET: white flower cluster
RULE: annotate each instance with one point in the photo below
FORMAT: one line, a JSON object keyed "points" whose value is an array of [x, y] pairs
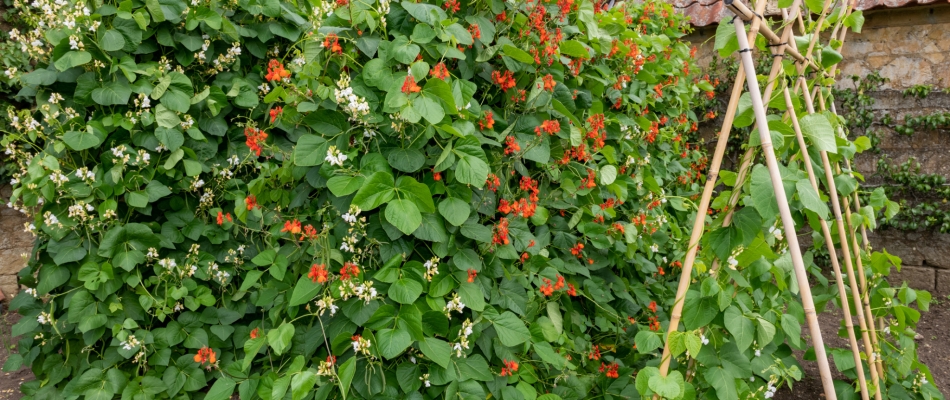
{"points": [[335, 156], [432, 268], [425, 380], [31, 292], [50, 220], [130, 343], [453, 305], [168, 263], [325, 368], [219, 274], [776, 232], [629, 133], [29, 227], [81, 211], [326, 303], [704, 339], [361, 345], [120, 154], [354, 105], [350, 216], [44, 318], [85, 174], [770, 391], [733, 263], [321, 12], [464, 333], [152, 253], [59, 178]]}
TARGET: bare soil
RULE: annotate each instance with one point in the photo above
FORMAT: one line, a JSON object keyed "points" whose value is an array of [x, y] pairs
{"points": [[10, 381], [933, 350]]}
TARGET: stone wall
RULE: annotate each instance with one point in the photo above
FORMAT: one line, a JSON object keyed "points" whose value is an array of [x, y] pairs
{"points": [[14, 242], [909, 46]]}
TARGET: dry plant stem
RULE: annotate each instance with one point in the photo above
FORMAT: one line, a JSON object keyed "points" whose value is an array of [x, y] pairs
{"points": [[699, 224], [839, 280], [808, 303]]}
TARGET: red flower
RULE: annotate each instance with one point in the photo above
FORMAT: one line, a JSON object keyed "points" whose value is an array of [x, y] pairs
{"points": [[512, 145], [488, 122], [560, 283], [549, 83], [594, 353], [501, 233], [318, 273], [206, 355], [308, 232], [251, 202], [493, 182], [612, 370], [439, 71], [571, 290], [451, 6], [550, 126], [274, 112], [652, 306], [504, 80], [547, 289], [254, 139], [409, 85], [475, 31], [331, 359], [349, 270], [255, 333], [471, 275], [509, 368], [276, 71], [291, 226], [437, 176], [501, 17], [332, 42], [220, 218]]}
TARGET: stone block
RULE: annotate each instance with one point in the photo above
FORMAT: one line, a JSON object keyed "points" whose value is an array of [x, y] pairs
{"points": [[12, 261], [943, 284], [917, 277], [906, 71], [8, 284]]}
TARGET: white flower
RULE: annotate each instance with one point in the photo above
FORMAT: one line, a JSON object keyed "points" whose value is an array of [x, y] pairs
{"points": [[758, 353], [44, 318], [923, 380], [335, 156], [704, 339], [31, 292]]}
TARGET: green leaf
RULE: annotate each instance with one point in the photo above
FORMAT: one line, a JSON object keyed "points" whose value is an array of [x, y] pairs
{"points": [[608, 174], [817, 128], [763, 196], [112, 40], [392, 342], [647, 341], [693, 343], [221, 390], [726, 41], [723, 382], [426, 13], [670, 386], [302, 384], [437, 350], [345, 185], [279, 339], [454, 210], [404, 215], [113, 93], [82, 140], [815, 6], [405, 291], [511, 330], [251, 348], [346, 373], [72, 59], [517, 54], [471, 294], [740, 327], [574, 49], [792, 329], [170, 137], [378, 189], [305, 290], [406, 160], [810, 199], [855, 21], [429, 108], [311, 150], [408, 188]]}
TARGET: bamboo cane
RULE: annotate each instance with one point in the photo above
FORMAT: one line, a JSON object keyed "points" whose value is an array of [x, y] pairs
{"points": [[808, 304], [829, 242], [699, 224]]}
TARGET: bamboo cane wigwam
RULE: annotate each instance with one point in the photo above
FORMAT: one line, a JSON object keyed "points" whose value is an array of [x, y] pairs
{"points": [[784, 45]]}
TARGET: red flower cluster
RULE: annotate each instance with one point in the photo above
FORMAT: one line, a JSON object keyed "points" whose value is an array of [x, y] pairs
{"points": [[654, 324], [206, 355], [594, 353], [550, 126], [292, 226], [254, 139], [274, 112], [500, 235], [255, 333], [452, 6], [597, 131], [571, 291], [439, 71], [589, 181], [548, 289], [611, 370], [332, 43], [251, 202], [493, 182], [472, 274], [578, 250], [318, 273], [475, 31], [504, 80], [509, 368], [652, 306], [349, 270], [308, 233], [488, 122], [511, 145], [578, 153], [549, 83], [276, 71], [409, 85], [222, 217]]}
